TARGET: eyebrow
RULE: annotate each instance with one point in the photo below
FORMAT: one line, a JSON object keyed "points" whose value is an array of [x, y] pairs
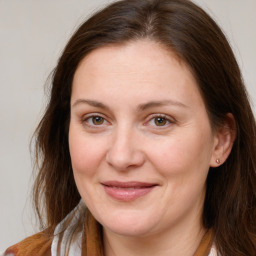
{"points": [[141, 107], [92, 103], [161, 103]]}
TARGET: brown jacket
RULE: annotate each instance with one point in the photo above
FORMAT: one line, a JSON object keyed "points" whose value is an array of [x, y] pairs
{"points": [[40, 245]]}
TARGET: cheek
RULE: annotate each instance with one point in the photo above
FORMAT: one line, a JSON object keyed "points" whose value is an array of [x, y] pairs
{"points": [[86, 153], [191, 151]]}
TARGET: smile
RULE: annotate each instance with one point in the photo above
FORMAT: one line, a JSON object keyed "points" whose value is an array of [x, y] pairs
{"points": [[127, 191]]}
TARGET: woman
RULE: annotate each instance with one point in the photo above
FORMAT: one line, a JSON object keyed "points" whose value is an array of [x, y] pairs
{"points": [[149, 126]]}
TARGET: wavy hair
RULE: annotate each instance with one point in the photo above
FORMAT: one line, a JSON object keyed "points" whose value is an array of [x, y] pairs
{"points": [[188, 31]]}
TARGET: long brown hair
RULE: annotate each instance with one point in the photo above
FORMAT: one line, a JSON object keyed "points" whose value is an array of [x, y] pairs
{"points": [[185, 29]]}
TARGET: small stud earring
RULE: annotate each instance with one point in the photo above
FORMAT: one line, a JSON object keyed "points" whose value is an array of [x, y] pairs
{"points": [[218, 161]]}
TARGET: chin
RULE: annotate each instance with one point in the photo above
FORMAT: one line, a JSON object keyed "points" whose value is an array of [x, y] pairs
{"points": [[128, 230], [128, 225]]}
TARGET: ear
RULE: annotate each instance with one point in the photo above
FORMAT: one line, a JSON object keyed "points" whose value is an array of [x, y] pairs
{"points": [[224, 138]]}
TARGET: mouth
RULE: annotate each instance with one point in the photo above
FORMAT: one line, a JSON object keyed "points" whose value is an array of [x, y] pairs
{"points": [[127, 191]]}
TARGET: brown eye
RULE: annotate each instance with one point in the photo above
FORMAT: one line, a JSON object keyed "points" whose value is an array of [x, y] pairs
{"points": [[97, 120], [160, 121]]}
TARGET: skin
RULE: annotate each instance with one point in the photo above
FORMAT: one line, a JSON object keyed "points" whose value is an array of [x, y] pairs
{"points": [[117, 83]]}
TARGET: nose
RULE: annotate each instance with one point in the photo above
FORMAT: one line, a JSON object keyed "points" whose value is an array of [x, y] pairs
{"points": [[125, 152]]}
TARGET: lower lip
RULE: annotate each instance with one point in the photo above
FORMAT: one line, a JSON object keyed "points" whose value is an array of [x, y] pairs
{"points": [[127, 194]]}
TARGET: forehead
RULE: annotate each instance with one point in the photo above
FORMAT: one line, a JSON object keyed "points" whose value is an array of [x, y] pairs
{"points": [[139, 67], [145, 53]]}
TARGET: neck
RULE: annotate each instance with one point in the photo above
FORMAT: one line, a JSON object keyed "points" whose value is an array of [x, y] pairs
{"points": [[178, 242]]}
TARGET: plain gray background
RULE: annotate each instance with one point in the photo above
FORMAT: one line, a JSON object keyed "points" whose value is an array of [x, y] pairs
{"points": [[33, 34]]}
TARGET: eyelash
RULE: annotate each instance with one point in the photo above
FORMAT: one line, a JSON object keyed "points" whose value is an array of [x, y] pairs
{"points": [[152, 118], [167, 119], [85, 120]]}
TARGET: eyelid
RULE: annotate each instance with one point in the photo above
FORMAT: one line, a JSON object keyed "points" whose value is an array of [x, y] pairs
{"points": [[170, 119], [91, 115]]}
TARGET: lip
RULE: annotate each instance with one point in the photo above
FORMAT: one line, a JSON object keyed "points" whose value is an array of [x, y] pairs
{"points": [[127, 191]]}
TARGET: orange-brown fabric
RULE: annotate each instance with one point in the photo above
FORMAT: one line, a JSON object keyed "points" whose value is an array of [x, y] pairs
{"points": [[36, 245], [92, 243], [40, 244], [205, 245]]}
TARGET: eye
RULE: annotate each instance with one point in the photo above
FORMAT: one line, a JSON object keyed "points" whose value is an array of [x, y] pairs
{"points": [[95, 120], [160, 121]]}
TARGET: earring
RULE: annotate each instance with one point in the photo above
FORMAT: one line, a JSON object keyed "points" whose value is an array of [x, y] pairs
{"points": [[218, 161]]}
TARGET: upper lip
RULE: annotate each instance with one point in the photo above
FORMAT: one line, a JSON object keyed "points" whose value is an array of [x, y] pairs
{"points": [[128, 184]]}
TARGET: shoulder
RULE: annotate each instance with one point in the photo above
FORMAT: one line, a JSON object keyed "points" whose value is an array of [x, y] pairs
{"points": [[36, 245]]}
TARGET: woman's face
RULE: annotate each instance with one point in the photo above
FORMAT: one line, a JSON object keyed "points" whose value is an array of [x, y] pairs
{"points": [[140, 139]]}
